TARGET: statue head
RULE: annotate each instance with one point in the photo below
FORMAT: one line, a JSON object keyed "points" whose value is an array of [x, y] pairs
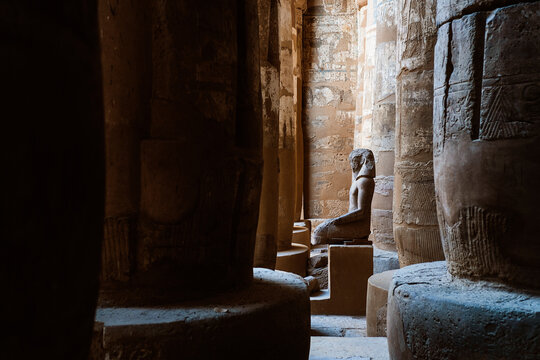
{"points": [[362, 162]]}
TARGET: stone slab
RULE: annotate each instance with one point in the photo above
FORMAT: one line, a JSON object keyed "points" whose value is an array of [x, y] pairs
{"points": [[338, 325], [268, 320], [351, 348], [434, 316]]}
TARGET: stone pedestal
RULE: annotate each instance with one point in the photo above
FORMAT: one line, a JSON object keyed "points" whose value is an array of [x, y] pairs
{"points": [[384, 260], [432, 316], [377, 297], [268, 320], [349, 268]]}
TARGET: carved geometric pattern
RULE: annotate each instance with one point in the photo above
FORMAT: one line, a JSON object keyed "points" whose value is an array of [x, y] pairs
{"points": [[501, 119]]}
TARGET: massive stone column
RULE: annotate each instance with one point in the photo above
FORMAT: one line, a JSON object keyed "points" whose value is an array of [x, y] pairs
{"points": [[267, 229], [383, 122], [53, 177], [416, 231], [287, 128], [361, 23], [126, 62], [297, 54], [200, 182], [486, 145]]}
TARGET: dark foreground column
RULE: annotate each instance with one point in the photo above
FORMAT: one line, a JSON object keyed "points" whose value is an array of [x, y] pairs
{"points": [[53, 174], [485, 302], [191, 291]]}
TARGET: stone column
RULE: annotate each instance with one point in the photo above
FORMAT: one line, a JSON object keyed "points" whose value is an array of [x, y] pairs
{"points": [[267, 235], [383, 123], [287, 128], [368, 77], [486, 143], [53, 176], [199, 200], [361, 24], [416, 231], [299, 8], [126, 62], [201, 172]]}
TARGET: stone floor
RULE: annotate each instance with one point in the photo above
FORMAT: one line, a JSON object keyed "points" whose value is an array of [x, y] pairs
{"points": [[344, 337]]}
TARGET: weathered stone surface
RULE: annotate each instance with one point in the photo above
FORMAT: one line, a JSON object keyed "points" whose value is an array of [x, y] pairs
{"points": [[318, 261], [321, 274], [450, 9], [276, 305], [267, 228], [416, 230], [378, 121], [433, 316], [200, 161], [486, 128], [287, 127], [53, 177], [329, 101], [126, 64], [384, 260]]}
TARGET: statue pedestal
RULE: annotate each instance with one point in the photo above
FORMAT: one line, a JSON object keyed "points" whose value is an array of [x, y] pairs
{"points": [[268, 320], [432, 316], [349, 268], [293, 259], [377, 298]]}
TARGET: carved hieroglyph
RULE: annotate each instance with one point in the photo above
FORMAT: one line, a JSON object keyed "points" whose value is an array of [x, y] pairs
{"points": [[487, 143], [416, 231], [355, 225]]}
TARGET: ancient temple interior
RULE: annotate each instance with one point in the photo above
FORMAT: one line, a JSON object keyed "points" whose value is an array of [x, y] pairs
{"points": [[271, 179]]}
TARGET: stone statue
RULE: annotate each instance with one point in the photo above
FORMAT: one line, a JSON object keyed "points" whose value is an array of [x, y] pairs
{"points": [[355, 225]]}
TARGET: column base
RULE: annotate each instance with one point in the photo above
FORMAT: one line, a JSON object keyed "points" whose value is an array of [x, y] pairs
{"points": [[384, 260], [293, 260], [377, 297], [433, 316], [268, 320]]}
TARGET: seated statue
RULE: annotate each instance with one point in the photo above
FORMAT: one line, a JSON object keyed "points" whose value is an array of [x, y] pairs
{"points": [[353, 227]]}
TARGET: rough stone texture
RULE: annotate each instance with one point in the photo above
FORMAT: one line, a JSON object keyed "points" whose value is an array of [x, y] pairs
{"points": [[338, 325], [329, 85], [201, 161], [432, 316], [53, 176], [384, 260], [267, 228], [351, 348], [451, 9], [377, 297], [378, 113], [287, 127], [300, 7], [126, 62], [486, 128], [416, 230], [321, 274], [268, 320]]}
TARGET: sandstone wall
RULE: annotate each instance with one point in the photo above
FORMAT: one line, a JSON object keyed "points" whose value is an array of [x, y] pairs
{"points": [[329, 92]]}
